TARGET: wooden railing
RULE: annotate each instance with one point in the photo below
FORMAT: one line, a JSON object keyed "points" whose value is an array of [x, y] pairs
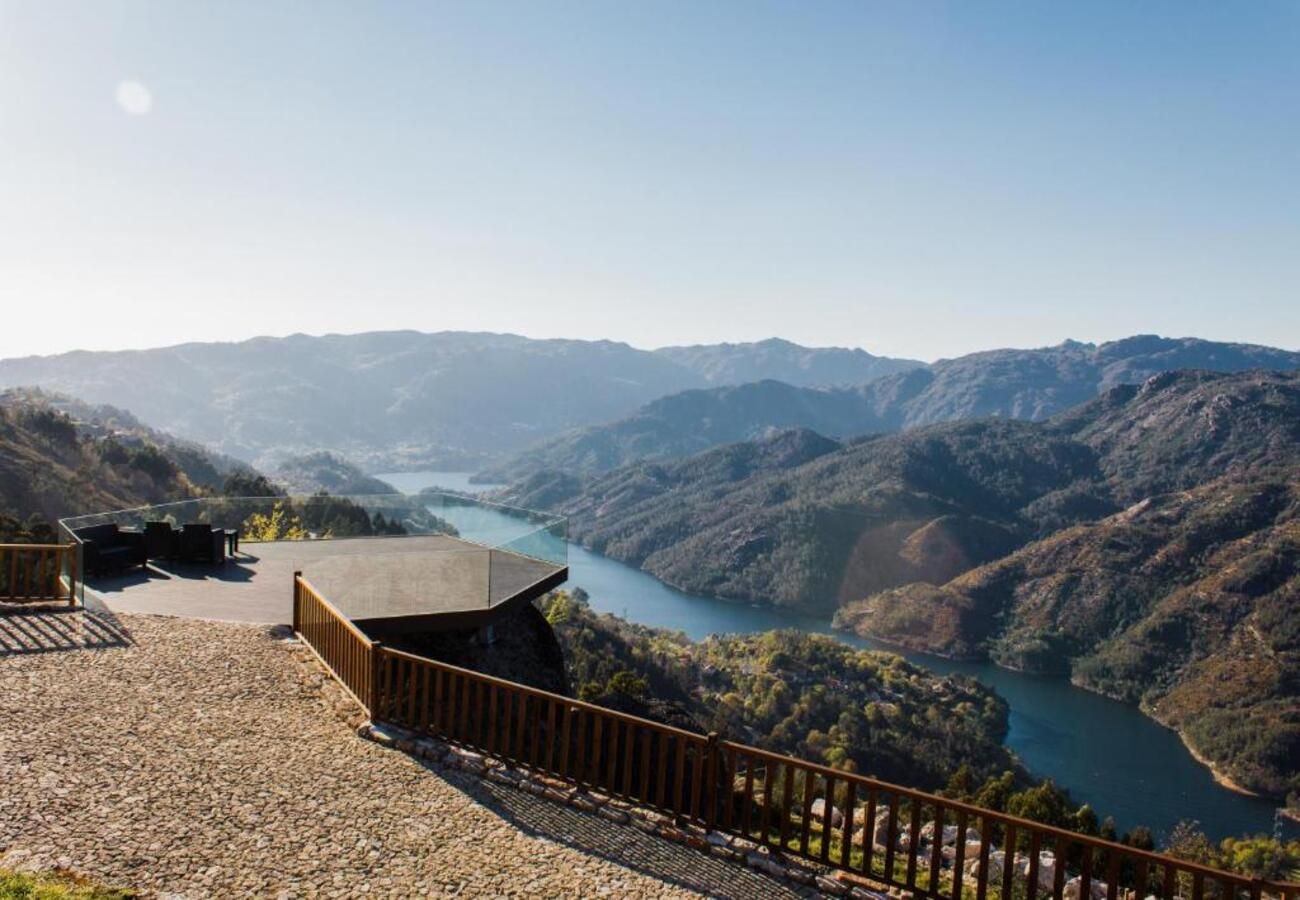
{"points": [[31, 573], [926, 845], [337, 643]]}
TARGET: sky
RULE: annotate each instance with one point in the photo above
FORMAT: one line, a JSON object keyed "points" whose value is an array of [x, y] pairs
{"points": [[919, 179]]}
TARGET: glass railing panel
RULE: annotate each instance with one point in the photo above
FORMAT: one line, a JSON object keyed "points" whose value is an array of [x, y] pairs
{"points": [[510, 548], [547, 543], [72, 573]]}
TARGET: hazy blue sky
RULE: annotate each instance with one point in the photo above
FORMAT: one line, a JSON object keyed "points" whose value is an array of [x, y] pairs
{"points": [[915, 178]]}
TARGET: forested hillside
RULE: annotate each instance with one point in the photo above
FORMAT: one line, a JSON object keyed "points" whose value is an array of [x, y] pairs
{"points": [[1016, 384], [52, 465], [325, 471], [819, 699], [1187, 603], [814, 530], [798, 521], [792, 692]]}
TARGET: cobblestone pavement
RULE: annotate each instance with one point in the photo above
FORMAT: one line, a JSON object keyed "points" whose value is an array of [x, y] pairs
{"points": [[197, 759]]}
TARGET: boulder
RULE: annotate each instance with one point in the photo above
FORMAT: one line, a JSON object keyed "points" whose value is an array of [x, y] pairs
{"points": [[819, 811]]}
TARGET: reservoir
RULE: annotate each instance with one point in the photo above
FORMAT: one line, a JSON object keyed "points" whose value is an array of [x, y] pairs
{"points": [[1106, 753]]}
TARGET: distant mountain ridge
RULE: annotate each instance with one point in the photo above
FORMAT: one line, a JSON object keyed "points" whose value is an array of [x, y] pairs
{"points": [[401, 399], [690, 422], [829, 523], [1014, 384], [779, 360], [324, 471]]}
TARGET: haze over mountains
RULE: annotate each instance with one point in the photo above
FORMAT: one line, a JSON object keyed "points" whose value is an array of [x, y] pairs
{"points": [[407, 398], [1017, 384]]}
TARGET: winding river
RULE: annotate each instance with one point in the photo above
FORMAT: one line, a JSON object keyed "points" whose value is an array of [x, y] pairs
{"points": [[1107, 753]]}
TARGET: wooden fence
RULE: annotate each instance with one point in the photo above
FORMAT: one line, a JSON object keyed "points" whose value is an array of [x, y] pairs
{"points": [[927, 845], [337, 643], [31, 573]]}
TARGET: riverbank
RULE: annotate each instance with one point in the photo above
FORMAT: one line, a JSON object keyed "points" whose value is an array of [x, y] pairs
{"points": [[1220, 777], [1140, 773]]}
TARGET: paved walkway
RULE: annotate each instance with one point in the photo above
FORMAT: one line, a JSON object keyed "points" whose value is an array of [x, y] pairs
{"points": [[203, 759]]}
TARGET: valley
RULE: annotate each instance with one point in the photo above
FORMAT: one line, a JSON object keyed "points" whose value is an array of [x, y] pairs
{"points": [[1105, 752]]}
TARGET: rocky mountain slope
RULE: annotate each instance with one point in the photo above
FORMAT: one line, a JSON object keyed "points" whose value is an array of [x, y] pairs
{"points": [[1017, 384], [796, 520], [1039, 383], [1186, 602]]}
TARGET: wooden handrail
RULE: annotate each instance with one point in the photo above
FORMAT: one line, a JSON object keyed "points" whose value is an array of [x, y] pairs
{"points": [[970, 809], [538, 692], [340, 646], [343, 620], [695, 777]]}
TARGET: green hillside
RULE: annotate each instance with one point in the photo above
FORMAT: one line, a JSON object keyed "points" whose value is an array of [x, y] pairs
{"points": [[1187, 603]]}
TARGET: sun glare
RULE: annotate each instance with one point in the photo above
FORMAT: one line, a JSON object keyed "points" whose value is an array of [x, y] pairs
{"points": [[134, 98]]}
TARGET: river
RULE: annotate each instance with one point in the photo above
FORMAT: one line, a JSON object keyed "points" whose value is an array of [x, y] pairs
{"points": [[1107, 753]]}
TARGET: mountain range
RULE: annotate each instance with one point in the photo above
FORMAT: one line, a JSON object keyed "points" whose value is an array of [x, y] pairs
{"points": [[1017, 384], [801, 520], [1144, 543], [406, 399]]}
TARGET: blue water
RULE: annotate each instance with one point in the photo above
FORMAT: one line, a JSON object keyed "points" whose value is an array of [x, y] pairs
{"points": [[1107, 753], [414, 482]]}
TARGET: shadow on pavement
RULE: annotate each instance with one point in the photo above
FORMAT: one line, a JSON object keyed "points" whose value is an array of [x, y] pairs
{"points": [[55, 630]]}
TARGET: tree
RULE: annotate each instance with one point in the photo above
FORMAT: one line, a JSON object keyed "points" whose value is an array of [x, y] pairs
{"points": [[996, 792], [624, 682], [277, 525], [1260, 856], [1045, 803], [961, 785]]}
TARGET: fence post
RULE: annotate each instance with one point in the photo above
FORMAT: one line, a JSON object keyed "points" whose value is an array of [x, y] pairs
{"points": [[710, 785], [297, 592], [376, 690]]}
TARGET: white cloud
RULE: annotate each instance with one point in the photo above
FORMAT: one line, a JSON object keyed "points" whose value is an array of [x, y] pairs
{"points": [[134, 98]]}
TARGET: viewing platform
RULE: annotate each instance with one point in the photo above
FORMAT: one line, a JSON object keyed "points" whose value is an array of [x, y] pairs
{"points": [[388, 563]]}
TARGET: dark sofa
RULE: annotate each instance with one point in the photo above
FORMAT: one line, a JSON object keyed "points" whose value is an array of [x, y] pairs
{"points": [[108, 549], [203, 543], [161, 540]]}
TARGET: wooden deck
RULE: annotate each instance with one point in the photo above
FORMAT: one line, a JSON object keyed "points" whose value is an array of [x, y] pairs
{"points": [[421, 582]]}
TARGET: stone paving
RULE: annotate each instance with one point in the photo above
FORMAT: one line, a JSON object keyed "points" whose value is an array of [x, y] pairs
{"points": [[196, 759]]}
